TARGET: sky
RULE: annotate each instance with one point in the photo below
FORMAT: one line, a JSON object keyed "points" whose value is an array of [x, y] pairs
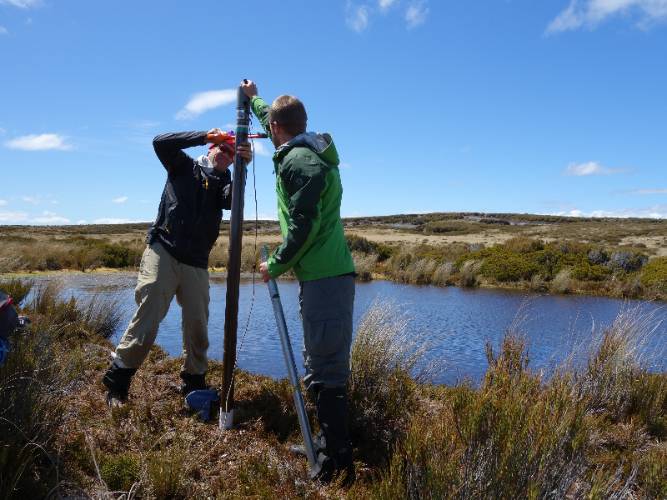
{"points": [[549, 107]]}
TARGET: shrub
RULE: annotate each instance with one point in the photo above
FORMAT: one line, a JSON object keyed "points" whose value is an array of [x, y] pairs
{"points": [[654, 274], [505, 266], [361, 244], [523, 245], [117, 256], [442, 274], [364, 265], [166, 474], [585, 271], [562, 282], [420, 271], [120, 472], [382, 390], [511, 438], [468, 273], [627, 261]]}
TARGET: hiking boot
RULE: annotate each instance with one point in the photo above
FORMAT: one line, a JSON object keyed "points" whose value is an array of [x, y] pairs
{"points": [[192, 383], [117, 380], [336, 457]]}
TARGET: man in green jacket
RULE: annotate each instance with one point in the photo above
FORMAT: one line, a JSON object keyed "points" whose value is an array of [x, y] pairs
{"points": [[309, 196]]}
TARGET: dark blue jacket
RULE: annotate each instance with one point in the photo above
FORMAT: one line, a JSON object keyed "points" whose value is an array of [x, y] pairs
{"points": [[188, 220]]}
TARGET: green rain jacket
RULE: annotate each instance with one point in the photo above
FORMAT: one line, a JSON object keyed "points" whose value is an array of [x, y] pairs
{"points": [[309, 196]]}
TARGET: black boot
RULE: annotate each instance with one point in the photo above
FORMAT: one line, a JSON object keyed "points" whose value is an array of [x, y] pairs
{"points": [[117, 380], [337, 455], [192, 383]]}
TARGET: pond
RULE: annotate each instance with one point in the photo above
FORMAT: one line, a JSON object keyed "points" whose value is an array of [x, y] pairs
{"points": [[454, 323]]}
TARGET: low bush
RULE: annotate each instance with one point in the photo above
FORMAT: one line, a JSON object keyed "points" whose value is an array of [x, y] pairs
{"points": [[654, 274], [365, 246], [382, 390]]}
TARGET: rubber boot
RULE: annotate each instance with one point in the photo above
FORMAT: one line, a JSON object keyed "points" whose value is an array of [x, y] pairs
{"points": [[192, 383], [117, 380], [336, 458]]}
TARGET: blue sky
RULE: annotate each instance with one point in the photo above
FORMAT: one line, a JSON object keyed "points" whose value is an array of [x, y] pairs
{"points": [[553, 107]]}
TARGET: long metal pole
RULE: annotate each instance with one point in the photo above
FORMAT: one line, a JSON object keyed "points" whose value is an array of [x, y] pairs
{"points": [[288, 354], [234, 264]]}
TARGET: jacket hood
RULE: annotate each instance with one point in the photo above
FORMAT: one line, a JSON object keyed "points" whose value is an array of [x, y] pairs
{"points": [[320, 144]]}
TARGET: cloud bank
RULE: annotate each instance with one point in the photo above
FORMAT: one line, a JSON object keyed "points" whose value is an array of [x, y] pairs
{"points": [[590, 13]]}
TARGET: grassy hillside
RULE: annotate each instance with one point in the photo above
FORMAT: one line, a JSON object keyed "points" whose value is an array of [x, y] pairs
{"points": [[613, 257]]}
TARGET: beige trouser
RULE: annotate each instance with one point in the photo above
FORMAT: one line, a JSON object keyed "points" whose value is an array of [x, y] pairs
{"points": [[160, 278]]}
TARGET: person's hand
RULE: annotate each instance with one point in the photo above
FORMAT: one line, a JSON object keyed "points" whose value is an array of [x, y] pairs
{"points": [[264, 269], [249, 88], [245, 151], [216, 136]]}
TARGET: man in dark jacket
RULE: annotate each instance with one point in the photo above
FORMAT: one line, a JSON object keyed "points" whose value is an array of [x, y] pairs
{"points": [[175, 261]]}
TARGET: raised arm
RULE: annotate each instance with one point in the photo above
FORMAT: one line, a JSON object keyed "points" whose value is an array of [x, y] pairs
{"points": [[169, 149], [259, 107]]}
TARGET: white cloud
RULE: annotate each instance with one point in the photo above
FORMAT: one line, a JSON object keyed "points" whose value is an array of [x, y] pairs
{"points": [[3, 203], [261, 149], [114, 220], [358, 14], [41, 142], [23, 4], [649, 191], [48, 218], [120, 199], [357, 17], [3, 31], [205, 101], [345, 165], [590, 13], [655, 212], [13, 217], [589, 168], [267, 216], [33, 200], [416, 14], [81, 222], [45, 218]]}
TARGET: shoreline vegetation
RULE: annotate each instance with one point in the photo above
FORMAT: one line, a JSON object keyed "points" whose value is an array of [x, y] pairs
{"points": [[622, 258], [597, 429]]}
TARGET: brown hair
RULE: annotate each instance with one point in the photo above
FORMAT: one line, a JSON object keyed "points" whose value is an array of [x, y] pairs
{"points": [[290, 113]]}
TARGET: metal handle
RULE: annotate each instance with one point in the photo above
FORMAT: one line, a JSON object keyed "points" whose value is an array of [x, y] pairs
{"points": [[288, 354]]}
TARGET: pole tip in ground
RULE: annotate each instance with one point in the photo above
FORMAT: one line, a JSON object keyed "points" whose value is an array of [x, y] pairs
{"points": [[226, 421]]}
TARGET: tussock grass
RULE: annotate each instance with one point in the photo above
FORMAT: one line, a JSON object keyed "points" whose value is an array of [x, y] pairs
{"points": [[382, 390], [18, 289]]}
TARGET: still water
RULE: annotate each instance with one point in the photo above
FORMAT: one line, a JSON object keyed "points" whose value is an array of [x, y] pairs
{"points": [[455, 323]]}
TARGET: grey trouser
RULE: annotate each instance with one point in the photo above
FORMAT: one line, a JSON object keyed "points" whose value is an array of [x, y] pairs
{"points": [[160, 278], [326, 311]]}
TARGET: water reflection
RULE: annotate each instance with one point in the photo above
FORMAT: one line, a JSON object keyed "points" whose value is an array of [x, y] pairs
{"points": [[456, 322]]}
